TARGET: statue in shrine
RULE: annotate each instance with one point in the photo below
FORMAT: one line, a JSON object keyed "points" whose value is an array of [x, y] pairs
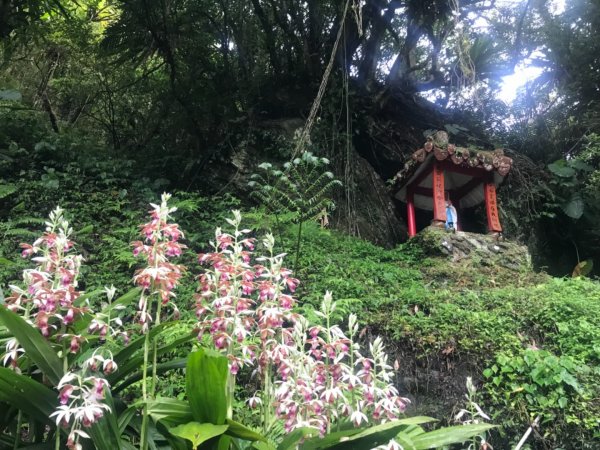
{"points": [[451, 216], [440, 175]]}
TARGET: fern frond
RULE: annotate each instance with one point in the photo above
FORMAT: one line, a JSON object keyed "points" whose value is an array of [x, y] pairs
{"points": [[7, 189], [20, 232], [27, 220]]}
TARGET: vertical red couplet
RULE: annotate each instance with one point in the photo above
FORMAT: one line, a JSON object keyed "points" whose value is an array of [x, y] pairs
{"points": [[439, 201], [410, 212], [491, 207]]}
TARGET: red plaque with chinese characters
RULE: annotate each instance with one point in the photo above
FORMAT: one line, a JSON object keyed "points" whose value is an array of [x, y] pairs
{"points": [[439, 199], [492, 208]]}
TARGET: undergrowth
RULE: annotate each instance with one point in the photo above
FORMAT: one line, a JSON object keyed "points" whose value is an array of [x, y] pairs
{"points": [[532, 341]]}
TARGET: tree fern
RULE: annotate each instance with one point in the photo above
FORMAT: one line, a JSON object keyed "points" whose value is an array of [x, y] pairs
{"points": [[302, 188]]}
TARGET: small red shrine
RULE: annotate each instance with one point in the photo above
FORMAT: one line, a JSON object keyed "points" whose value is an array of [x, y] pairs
{"points": [[440, 170]]}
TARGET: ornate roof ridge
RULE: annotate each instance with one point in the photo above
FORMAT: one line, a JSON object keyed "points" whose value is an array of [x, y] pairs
{"points": [[438, 144]]}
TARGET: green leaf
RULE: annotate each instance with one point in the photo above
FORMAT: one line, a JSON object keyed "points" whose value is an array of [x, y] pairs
{"points": [[449, 435], [105, 433], [263, 446], [161, 368], [240, 431], [126, 416], [417, 420], [296, 436], [170, 411], [574, 207], [357, 439], [198, 433], [42, 446], [561, 169], [570, 380], [36, 347], [86, 230], [451, 128], [6, 262], [206, 386], [405, 437], [173, 442], [580, 165], [7, 189], [27, 395], [129, 364]]}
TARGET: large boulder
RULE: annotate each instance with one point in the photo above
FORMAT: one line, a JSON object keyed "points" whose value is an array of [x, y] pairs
{"points": [[480, 249], [371, 213]]}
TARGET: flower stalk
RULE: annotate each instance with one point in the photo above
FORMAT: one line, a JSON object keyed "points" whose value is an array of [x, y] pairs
{"points": [[158, 281], [311, 376]]}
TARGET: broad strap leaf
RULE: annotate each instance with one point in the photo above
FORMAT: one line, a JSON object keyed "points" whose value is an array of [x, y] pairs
{"points": [[358, 439], [295, 437], [179, 363], [449, 435], [105, 433], [26, 394], [36, 347], [206, 386], [128, 363], [170, 411], [197, 433], [241, 431]]}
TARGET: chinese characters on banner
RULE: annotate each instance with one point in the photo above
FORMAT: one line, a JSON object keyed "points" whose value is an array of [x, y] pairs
{"points": [[492, 208], [439, 201]]}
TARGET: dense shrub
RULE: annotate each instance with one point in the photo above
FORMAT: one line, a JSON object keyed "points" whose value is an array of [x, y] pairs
{"points": [[453, 320]]}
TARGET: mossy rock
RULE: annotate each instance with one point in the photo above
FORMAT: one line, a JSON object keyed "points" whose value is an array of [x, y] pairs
{"points": [[472, 260], [486, 250]]}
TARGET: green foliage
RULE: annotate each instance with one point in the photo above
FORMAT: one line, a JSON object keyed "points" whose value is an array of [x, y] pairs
{"points": [[405, 432], [43, 357], [560, 390], [206, 385], [103, 104], [361, 274], [197, 433], [24, 393], [559, 315], [37, 348], [303, 187], [418, 439], [567, 184], [302, 190], [456, 318]]}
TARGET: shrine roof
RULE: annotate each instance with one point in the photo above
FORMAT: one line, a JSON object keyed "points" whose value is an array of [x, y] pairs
{"points": [[462, 165]]}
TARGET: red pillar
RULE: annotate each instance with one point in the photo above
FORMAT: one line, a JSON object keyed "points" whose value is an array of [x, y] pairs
{"points": [[491, 206], [439, 200], [410, 212]]}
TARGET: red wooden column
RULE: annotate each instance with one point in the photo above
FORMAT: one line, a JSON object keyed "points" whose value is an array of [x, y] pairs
{"points": [[491, 206], [439, 199], [410, 212]]}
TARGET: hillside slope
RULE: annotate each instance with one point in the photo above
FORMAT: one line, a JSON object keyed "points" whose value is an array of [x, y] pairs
{"points": [[531, 342]]}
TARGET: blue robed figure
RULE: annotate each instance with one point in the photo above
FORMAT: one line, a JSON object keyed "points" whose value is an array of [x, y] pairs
{"points": [[451, 216]]}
